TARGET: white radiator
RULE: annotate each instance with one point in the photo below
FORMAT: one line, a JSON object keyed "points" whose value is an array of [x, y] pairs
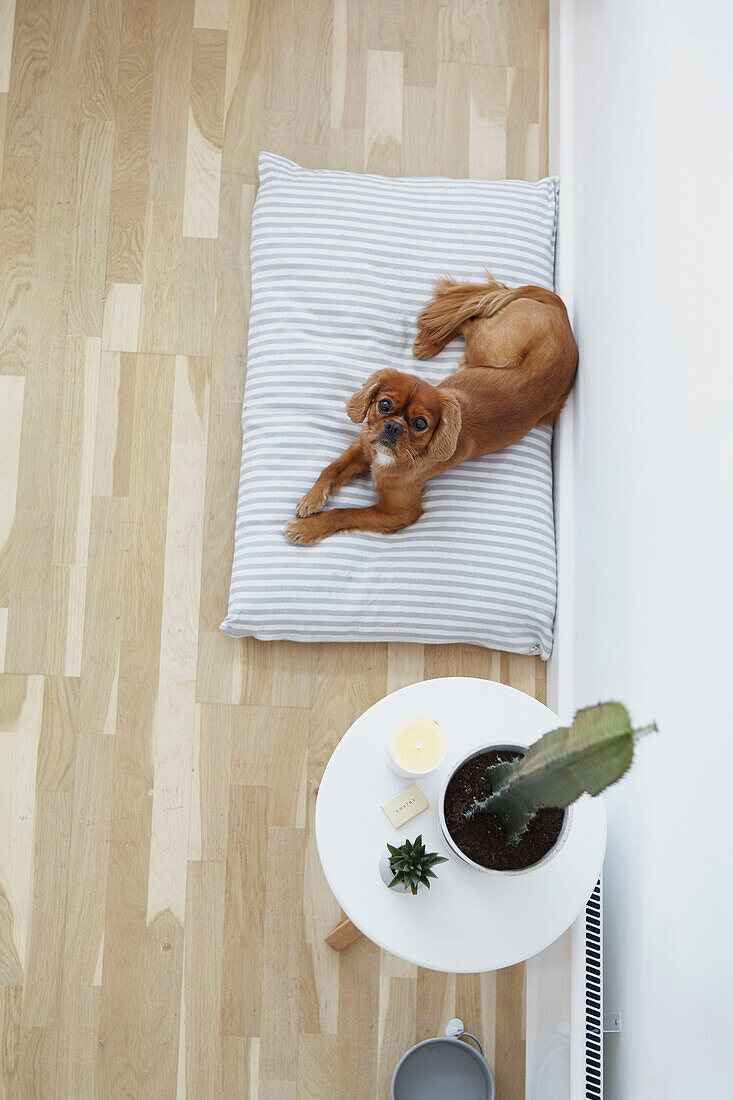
{"points": [[590, 1010], [564, 1021]]}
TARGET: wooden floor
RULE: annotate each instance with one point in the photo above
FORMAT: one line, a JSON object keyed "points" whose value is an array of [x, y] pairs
{"points": [[162, 909]]}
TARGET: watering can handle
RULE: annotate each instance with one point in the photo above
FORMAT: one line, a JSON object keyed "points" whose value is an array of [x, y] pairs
{"points": [[455, 1030]]}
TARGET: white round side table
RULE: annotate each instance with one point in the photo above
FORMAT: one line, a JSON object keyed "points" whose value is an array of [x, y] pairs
{"points": [[467, 922]]}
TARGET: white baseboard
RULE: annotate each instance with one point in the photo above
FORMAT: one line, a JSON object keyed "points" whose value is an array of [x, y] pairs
{"points": [[560, 691], [561, 688], [565, 1045]]}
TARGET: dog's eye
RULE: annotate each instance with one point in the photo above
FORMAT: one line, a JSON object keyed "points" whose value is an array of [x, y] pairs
{"points": [[385, 405], [419, 423]]}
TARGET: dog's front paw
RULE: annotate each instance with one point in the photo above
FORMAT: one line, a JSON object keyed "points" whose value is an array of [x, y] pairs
{"points": [[313, 501], [303, 531]]}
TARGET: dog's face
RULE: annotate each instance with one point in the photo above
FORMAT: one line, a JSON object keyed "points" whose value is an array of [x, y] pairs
{"points": [[405, 419]]}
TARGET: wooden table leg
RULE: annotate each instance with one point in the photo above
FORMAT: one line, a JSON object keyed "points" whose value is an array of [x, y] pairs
{"points": [[343, 934]]}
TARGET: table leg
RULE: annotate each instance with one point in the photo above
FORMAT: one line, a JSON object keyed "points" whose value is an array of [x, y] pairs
{"points": [[343, 934]]}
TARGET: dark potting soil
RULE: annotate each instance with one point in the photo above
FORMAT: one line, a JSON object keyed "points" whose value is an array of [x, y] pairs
{"points": [[482, 837]]}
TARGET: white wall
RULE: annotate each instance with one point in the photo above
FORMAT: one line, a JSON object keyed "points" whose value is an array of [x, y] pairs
{"points": [[646, 139]]}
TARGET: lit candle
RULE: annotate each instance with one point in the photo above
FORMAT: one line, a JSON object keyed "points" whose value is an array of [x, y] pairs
{"points": [[417, 745]]}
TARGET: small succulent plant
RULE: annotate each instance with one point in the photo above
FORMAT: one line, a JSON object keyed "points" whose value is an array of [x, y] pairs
{"points": [[587, 757], [411, 865]]}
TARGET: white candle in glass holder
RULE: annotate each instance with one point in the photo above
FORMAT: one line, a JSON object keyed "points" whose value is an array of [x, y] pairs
{"points": [[417, 746]]}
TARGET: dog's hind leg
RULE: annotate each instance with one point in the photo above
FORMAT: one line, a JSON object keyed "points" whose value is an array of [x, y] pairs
{"points": [[436, 324], [502, 341], [453, 305]]}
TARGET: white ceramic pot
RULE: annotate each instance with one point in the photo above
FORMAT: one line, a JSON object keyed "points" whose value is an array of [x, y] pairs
{"points": [[566, 826], [387, 874]]}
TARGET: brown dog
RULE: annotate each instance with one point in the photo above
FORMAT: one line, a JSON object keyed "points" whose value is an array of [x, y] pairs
{"points": [[517, 372]]}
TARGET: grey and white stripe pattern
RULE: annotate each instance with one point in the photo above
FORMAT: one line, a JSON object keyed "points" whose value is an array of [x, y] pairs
{"points": [[341, 265]]}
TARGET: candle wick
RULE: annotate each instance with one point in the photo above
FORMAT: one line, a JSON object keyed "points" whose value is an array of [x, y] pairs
{"points": [[419, 745]]}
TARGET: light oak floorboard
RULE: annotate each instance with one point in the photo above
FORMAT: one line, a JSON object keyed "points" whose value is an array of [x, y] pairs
{"points": [[162, 906]]}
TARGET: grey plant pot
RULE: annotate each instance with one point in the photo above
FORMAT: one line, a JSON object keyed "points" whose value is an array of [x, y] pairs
{"points": [[566, 826]]}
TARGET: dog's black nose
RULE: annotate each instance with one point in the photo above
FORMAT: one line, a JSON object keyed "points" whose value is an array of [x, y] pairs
{"points": [[393, 429]]}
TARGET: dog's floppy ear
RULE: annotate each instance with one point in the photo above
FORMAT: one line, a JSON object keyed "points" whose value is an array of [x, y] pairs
{"points": [[358, 404], [445, 437]]}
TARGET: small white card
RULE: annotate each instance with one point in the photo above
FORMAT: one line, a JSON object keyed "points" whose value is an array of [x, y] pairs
{"points": [[405, 805]]}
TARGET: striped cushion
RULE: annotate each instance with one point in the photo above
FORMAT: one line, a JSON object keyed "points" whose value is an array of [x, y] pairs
{"points": [[341, 265]]}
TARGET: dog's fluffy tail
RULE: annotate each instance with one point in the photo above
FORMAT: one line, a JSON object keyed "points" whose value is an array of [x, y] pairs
{"points": [[453, 304]]}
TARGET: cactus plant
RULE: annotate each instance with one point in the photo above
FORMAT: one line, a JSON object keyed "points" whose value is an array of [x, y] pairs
{"points": [[411, 865], [587, 757]]}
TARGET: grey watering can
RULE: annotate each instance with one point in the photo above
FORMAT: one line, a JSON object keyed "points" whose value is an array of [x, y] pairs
{"points": [[444, 1067]]}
